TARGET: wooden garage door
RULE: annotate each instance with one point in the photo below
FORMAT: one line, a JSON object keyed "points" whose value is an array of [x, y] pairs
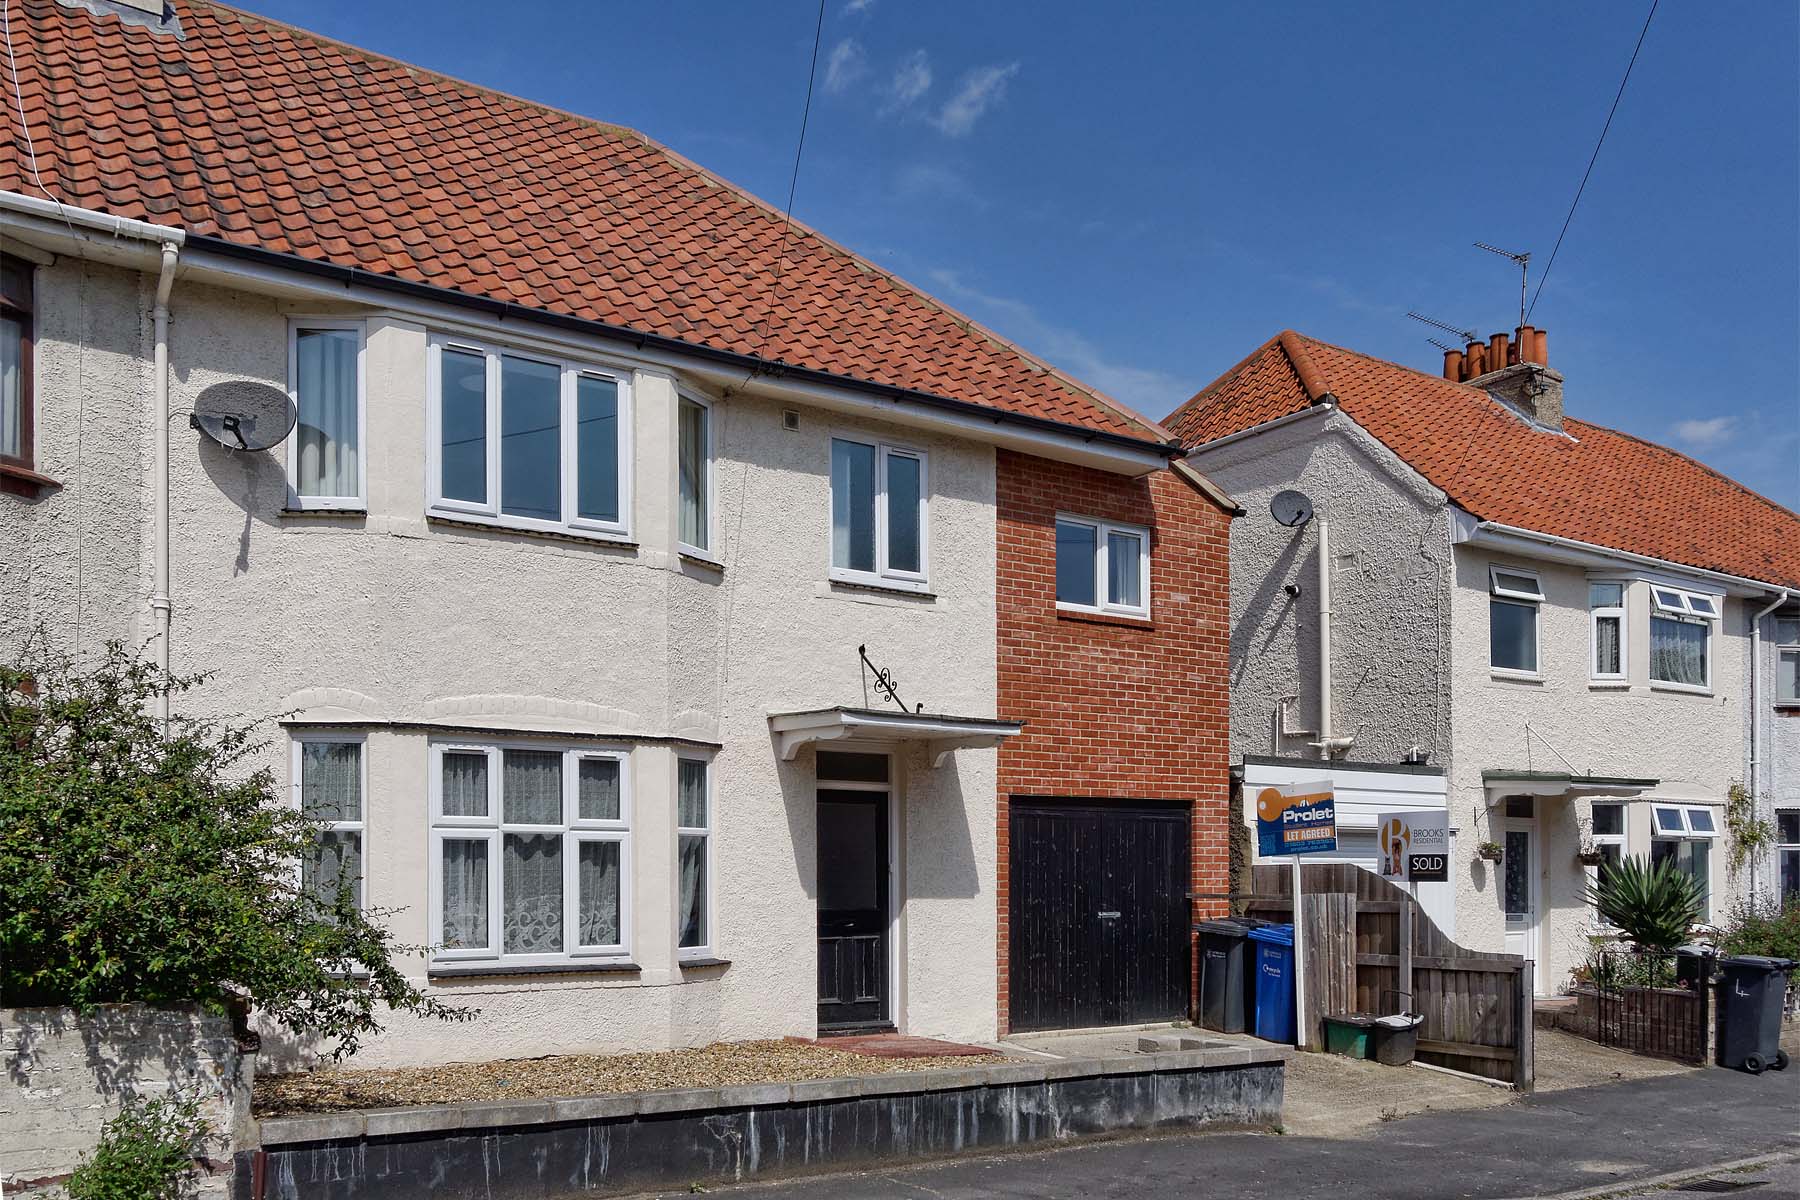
{"points": [[1099, 914]]}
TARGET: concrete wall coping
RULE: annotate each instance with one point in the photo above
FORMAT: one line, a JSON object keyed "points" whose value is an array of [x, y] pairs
{"points": [[388, 1122]]}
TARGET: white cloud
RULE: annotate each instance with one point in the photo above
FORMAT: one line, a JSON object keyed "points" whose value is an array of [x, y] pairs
{"points": [[1145, 389], [912, 79], [1707, 434], [921, 180], [981, 89], [858, 8], [844, 66]]}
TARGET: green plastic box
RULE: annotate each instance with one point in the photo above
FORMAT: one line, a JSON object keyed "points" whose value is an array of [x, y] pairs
{"points": [[1348, 1034]]}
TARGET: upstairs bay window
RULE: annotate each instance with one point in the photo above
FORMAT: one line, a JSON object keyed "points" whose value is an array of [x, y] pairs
{"points": [[528, 441], [1513, 620], [1681, 636], [325, 381], [1102, 567], [879, 511], [1606, 612], [694, 467]]}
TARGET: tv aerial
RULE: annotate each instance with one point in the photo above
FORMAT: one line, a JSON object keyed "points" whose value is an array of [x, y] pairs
{"points": [[1290, 508], [1524, 263], [243, 415]]}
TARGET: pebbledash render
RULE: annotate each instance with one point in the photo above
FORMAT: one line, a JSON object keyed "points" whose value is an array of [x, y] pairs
{"points": [[668, 646], [1538, 624]]}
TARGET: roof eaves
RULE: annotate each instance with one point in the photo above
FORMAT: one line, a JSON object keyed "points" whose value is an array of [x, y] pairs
{"points": [[1207, 488]]}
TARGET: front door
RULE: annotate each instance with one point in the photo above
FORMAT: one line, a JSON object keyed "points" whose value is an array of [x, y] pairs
{"points": [[853, 909], [1519, 876]]}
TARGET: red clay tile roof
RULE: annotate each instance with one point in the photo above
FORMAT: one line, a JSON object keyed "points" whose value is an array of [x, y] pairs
{"points": [[1597, 485], [262, 134]]}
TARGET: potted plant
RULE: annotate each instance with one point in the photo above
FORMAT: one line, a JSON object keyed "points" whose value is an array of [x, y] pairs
{"points": [[1587, 853], [1490, 852]]}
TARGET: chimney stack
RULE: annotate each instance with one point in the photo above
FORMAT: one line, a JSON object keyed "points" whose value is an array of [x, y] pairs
{"points": [[1516, 369]]}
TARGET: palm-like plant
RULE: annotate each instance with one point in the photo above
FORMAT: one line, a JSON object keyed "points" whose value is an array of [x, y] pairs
{"points": [[1653, 906]]}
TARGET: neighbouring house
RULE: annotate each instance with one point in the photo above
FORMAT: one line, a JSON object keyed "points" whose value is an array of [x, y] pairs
{"points": [[1549, 619], [689, 630]]}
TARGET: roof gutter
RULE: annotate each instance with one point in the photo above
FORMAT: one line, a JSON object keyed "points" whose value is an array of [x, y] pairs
{"points": [[1497, 536], [752, 365], [75, 220]]}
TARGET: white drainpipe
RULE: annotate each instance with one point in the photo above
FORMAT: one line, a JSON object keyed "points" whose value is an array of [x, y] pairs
{"points": [[1327, 745], [1754, 782], [160, 604]]}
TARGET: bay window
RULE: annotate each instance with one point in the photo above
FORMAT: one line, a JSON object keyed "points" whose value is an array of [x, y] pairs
{"points": [[530, 853], [1606, 614], [1684, 835], [1513, 620], [527, 440], [693, 854], [325, 382], [1102, 567], [879, 510], [328, 778], [1787, 662], [1681, 637], [1608, 829]]}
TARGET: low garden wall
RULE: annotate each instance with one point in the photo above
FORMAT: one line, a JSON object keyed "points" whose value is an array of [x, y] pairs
{"points": [[66, 1074], [679, 1139]]}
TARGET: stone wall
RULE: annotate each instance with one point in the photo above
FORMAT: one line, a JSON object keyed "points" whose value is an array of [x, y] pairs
{"points": [[67, 1074]]}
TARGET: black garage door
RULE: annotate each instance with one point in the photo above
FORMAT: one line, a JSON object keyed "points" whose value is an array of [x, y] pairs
{"points": [[1099, 914]]}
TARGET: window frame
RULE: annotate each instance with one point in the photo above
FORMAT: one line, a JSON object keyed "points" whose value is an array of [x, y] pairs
{"points": [[1782, 649], [884, 575], [22, 307], [1622, 612], [493, 828], [1103, 531], [708, 489], [1601, 841], [570, 368], [1783, 848], [1699, 841], [1499, 593], [296, 740], [708, 947], [359, 502], [1680, 606]]}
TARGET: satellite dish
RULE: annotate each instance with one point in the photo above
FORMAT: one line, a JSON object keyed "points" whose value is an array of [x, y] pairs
{"points": [[241, 415], [1291, 508]]}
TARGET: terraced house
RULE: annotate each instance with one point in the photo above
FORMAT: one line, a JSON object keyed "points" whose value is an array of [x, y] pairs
{"points": [[691, 631], [1573, 640]]}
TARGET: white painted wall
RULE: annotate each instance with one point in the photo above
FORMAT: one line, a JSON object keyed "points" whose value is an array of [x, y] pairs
{"points": [[391, 620]]}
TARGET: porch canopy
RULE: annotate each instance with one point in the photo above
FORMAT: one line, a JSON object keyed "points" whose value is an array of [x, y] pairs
{"points": [[1501, 784], [942, 734]]}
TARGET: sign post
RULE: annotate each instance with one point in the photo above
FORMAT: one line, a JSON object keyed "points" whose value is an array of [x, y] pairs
{"points": [[1297, 819]]}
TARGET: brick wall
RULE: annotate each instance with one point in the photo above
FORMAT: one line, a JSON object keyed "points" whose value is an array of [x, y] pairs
{"points": [[1115, 708], [65, 1074]]}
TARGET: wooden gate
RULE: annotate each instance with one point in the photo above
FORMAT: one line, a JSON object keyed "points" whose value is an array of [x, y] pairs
{"points": [[1368, 944]]}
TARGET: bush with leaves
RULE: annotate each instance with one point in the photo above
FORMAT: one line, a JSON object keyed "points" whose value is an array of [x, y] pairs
{"points": [[1653, 907], [147, 1152], [144, 865], [1766, 929]]}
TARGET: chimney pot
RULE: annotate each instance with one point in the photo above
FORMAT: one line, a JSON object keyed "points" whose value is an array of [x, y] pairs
{"points": [[1527, 344], [1497, 352], [1453, 365], [1543, 349], [1475, 359]]}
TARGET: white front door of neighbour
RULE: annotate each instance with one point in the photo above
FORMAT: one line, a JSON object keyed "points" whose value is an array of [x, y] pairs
{"points": [[1519, 867]]}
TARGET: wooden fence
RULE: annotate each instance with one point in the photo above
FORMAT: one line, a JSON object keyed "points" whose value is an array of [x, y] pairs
{"points": [[1368, 944]]}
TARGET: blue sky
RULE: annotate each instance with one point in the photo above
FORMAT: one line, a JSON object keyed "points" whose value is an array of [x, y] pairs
{"points": [[1145, 194]]}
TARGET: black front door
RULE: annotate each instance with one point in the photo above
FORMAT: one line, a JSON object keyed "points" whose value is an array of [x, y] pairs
{"points": [[1099, 914], [853, 916]]}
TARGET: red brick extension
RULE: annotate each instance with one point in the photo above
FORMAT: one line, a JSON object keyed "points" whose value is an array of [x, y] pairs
{"points": [[1115, 709]]}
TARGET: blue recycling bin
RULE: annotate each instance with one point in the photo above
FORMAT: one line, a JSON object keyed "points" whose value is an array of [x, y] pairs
{"points": [[1274, 982]]}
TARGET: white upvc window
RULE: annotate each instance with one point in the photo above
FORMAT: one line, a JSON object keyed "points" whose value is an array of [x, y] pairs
{"points": [[1102, 566], [527, 440], [694, 937], [325, 453], [1787, 854], [329, 774], [1609, 838], [1681, 626], [1685, 834], [1787, 661], [694, 471], [1607, 661], [880, 507], [530, 853], [1513, 620]]}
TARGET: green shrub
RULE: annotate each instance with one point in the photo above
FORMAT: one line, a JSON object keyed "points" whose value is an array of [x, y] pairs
{"points": [[1762, 929], [1612, 970], [1652, 906], [139, 865], [147, 1152]]}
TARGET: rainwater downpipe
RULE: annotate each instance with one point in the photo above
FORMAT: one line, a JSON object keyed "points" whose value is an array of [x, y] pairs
{"points": [[160, 604], [1324, 641], [1755, 782]]}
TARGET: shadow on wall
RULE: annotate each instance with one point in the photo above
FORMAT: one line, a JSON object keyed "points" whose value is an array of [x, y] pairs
{"points": [[252, 480], [1264, 610]]}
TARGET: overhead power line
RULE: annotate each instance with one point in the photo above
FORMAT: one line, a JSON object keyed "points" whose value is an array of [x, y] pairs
{"points": [[812, 74], [1595, 157]]}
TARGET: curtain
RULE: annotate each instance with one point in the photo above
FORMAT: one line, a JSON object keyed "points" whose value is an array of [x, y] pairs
{"points": [[853, 506], [692, 799], [598, 869], [597, 782], [692, 887], [1678, 651], [1606, 645], [465, 784], [337, 859], [326, 389], [12, 386], [465, 894], [331, 780], [1124, 560], [531, 787], [691, 467], [531, 882]]}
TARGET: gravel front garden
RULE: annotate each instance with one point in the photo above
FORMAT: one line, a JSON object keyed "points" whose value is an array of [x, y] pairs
{"points": [[336, 1089]]}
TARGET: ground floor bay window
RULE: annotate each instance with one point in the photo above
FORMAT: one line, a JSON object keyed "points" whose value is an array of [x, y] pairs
{"points": [[1684, 836]]}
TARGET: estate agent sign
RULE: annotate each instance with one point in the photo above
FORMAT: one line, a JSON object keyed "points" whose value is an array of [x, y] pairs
{"points": [[1296, 818], [1416, 846]]}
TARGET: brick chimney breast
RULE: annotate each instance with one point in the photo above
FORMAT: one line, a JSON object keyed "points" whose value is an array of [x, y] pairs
{"points": [[1515, 370]]}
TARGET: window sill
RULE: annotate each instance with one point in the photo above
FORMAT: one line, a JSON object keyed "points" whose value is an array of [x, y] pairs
{"points": [[1507, 673], [686, 963], [575, 536], [1684, 689], [884, 589], [355, 514], [23, 481], [704, 561], [473, 970], [1609, 685], [1103, 618]]}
